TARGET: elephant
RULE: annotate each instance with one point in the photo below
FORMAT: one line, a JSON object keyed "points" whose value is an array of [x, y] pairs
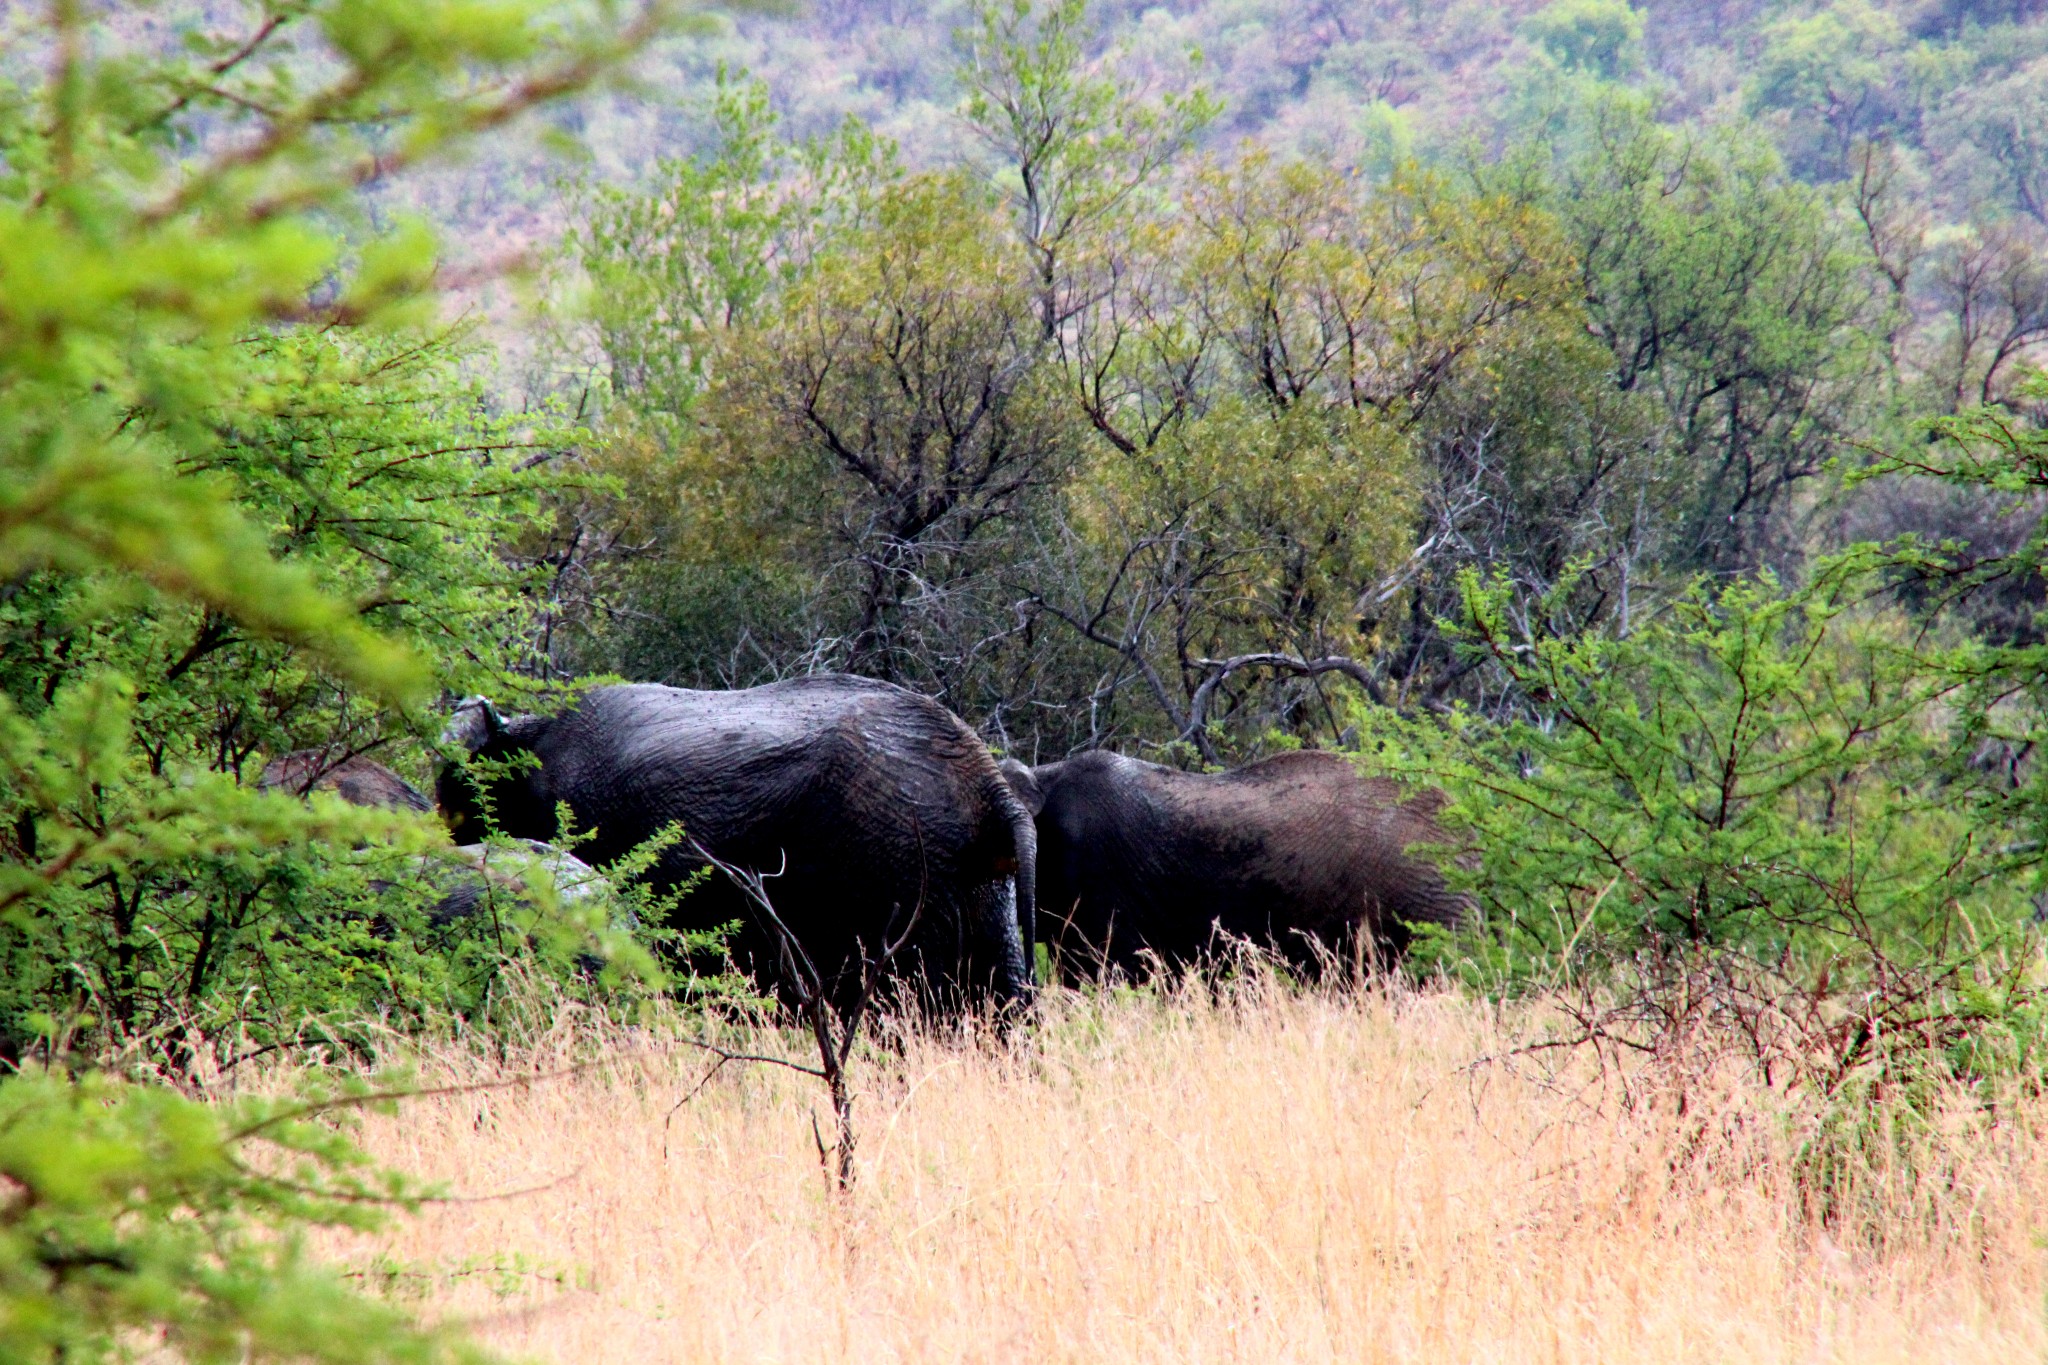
{"points": [[1141, 864], [867, 815], [362, 781], [355, 779], [574, 880]]}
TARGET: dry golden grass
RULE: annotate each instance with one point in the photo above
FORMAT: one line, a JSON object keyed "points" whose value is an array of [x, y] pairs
{"points": [[1272, 1177]]}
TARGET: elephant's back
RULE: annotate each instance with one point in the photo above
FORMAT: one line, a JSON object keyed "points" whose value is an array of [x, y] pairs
{"points": [[634, 758], [1315, 843], [1331, 826], [842, 765], [1111, 813]]}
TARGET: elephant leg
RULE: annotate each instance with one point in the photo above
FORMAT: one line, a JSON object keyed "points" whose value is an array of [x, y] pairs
{"points": [[969, 955], [997, 972]]}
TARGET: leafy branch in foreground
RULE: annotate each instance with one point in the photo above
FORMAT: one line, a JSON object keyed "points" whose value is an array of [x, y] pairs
{"points": [[183, 269], [155, 211], [244, 497], [135, 1218]]}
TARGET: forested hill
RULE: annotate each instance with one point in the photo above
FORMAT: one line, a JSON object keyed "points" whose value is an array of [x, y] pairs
{"points": [[1363, 82]]}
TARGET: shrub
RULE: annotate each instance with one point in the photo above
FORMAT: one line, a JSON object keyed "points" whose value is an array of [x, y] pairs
{"points": [[244, 498], [139, 1221], [1742, 820]]}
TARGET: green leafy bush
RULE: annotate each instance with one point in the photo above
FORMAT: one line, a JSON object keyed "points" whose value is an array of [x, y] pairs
{"points": [[243, 508], [1599, 37], [139, 1223], [247, 504], [1743, 819]]}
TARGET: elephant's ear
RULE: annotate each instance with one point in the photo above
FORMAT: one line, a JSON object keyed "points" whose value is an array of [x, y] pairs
{"points": [[1025, 783], [474, 723]]}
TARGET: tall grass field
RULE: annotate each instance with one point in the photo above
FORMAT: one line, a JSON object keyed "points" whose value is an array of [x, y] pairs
{"points": [[1251, 1173]]}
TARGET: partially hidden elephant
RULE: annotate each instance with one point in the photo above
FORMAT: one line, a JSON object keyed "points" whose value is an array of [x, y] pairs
{"points": [[476, 877], [864, 810], [355, 779], [1140, 864]]}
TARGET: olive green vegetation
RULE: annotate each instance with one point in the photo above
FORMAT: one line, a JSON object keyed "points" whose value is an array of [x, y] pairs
{"points": [[1105, 440], [1670, 502], [246, 505], [1655, 466], [142, 1223]]}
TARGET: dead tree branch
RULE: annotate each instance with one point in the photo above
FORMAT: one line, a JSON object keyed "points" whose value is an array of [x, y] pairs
{"points": [[834, 1024], [1219, 671]]}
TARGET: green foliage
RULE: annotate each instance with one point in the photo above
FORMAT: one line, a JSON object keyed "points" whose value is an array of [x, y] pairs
{"points": [[1074, 145], [1752, 770], [889, 463], [141, 1224], [1834, 74], [142, 883], [1601, 38], [1262, 465], [246, 505], [1753, 813], [1386, 140], [1733, 295], [875, 434], [675, 263], [153, 211], [1999, 705]]}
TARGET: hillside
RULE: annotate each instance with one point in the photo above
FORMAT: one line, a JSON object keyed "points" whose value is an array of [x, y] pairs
{"points": [[1956, 86], [1359, 82]]}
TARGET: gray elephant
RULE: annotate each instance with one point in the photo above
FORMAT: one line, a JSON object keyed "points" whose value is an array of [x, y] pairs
{"points": [[866, 811], [513, 872], [474, 877], [1139, 862]]}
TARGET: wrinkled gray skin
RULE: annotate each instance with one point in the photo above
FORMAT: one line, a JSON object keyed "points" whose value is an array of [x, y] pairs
{"points": [[1297, 852], [364, 782], [867, 808]]}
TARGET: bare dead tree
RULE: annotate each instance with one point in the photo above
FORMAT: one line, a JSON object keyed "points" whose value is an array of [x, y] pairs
{"points": [[833, 1020]]}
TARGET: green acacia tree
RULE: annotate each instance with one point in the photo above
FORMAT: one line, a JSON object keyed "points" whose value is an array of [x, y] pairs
{"points": [[1833, 76], [220, 471], [704, 244], [139, 1220], [1740, 823], [1601, 38], [1805, 817], [1076, 148]]}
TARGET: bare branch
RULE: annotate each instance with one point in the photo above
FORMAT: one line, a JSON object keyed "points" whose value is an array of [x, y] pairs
{"points": [[1220, 670]]}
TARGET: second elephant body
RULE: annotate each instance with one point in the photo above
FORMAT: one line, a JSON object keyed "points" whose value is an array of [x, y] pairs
{"points": [[1139, 862]]}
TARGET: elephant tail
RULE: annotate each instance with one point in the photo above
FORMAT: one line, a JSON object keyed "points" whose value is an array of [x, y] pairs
{"points": [[1024, 842]]}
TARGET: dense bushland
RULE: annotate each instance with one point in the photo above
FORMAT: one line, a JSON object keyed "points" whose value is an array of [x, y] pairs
{"points": [[1649, 455], [1106, 441], [1665, 490], [246, 504]]}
